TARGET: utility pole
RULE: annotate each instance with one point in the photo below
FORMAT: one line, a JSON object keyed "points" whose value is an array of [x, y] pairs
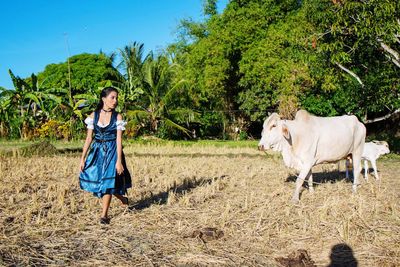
{"points": [[71, 101], [69, 67]]}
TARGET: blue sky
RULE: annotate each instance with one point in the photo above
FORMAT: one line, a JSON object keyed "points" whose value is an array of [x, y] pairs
{"points": [[36, 33]]}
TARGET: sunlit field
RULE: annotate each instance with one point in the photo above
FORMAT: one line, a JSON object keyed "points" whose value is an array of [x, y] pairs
{"points": [[242, 194]]}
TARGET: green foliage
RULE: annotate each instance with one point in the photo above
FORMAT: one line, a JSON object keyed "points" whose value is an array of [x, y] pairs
{"points": [[129, 81], [243, 136], [211, 124], [88, 71], [251, 55], [329, 57], [259, 56], [157, 104], [24, 106], [210, 7], [319, 105], [357, 34], [276, 68]]}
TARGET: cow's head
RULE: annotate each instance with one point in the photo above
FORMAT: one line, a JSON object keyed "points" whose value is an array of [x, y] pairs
{"points": [[273, 134], [384, 148]]}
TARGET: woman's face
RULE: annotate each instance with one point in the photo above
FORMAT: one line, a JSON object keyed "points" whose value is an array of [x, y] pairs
{"points": [[110, 101]]}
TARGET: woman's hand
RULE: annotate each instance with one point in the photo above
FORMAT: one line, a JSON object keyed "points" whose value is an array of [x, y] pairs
{"points": [[119, 168], [82, 165]]}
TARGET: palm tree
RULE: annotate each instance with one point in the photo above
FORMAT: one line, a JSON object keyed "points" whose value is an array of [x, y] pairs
{"points": [[161, 92], [130, 79]]}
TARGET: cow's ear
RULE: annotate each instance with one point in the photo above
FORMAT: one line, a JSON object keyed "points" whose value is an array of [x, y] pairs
{"points": [[285, 131]]}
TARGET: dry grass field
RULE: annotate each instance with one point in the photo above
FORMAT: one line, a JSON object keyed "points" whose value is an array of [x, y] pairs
{"points": [[243, 194]]}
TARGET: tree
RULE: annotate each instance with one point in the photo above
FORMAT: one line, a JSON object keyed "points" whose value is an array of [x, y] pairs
{"points": [[276, 69], [130, 77], [157, 105], [228, 64], [360, 39], [210, 7], [88, 71]]}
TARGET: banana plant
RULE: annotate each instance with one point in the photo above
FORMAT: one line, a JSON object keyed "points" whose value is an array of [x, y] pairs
{"points": [[29, 101], [23, 101], [5, 113], [85, 103]]}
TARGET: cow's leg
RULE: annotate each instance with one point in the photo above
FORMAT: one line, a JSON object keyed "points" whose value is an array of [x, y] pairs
{"points": [[347, 168], [310, 183], [299, 182], [373, 163], [356, 169], [366, 167]]}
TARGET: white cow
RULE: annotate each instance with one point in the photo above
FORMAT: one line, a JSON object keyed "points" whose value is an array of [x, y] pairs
{"points": [[310, 140], [372, 151]]}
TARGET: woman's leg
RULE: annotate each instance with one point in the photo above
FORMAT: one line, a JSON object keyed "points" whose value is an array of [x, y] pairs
{"points": [[106, 205], [123, 199]]}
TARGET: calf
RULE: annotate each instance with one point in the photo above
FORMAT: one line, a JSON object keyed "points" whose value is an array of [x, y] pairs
{"points": [[372, 151]]}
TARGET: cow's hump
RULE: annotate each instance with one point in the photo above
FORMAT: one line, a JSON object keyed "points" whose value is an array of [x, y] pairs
{"points": [[302, 115]]}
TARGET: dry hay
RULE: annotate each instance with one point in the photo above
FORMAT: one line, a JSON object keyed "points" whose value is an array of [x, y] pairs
{"points": [[179, 194]]}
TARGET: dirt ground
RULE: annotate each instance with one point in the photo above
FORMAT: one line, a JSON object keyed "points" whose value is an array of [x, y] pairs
{"points": [[198, 206]]}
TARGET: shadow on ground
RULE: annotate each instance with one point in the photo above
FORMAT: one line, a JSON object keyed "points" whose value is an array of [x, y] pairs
{"points": [[76, 151], [197, 155], [323, 178], [70, 150], [185, 187], [342, 255]]}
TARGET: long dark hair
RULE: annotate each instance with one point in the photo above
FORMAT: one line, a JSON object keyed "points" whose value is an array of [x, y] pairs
{"points": [[104, 93]]}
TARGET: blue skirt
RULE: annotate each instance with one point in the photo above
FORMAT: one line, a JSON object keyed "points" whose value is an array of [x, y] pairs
{"points": [[99, 175]]}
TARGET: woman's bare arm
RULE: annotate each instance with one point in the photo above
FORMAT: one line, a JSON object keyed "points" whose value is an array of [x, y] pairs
{"points": [[88, 141], [119, 167]]}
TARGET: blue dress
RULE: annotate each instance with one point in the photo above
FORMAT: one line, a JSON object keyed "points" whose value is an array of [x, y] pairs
{"points": [[99, 175]]}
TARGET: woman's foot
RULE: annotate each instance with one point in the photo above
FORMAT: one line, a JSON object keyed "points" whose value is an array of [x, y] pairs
{"points": [[104, 220], [125, 201]]}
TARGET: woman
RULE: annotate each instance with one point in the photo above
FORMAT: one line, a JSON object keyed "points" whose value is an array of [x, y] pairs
{"points": [[104, 173]]}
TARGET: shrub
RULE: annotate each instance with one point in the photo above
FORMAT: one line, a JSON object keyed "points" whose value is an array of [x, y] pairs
{"points": [[54, 129]]}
